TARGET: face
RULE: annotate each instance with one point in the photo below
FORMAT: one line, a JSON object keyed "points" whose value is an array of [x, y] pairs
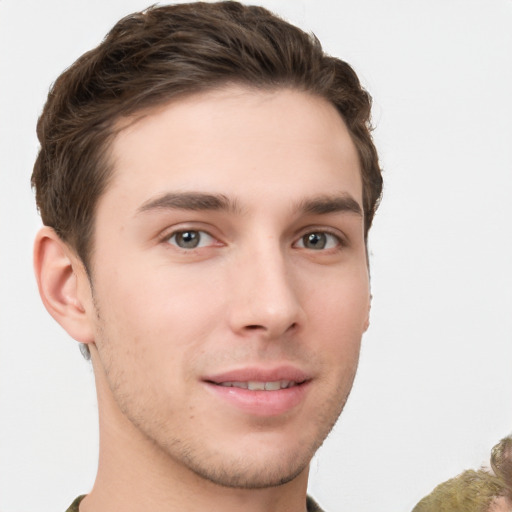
{"points": [[230, 281]]}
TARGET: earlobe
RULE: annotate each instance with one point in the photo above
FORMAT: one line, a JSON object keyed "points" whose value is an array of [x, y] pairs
{"points": [[61, 280]]}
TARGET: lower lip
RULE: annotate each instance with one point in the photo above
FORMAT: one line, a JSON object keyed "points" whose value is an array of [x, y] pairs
{"points": [[261, 403]]}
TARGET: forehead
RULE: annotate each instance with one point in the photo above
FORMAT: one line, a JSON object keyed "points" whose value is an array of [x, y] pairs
{"points": [[236, 140]]}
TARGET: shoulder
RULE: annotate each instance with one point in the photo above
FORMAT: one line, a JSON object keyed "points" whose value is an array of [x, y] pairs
{"points": [[312, 506], [74, 506]]}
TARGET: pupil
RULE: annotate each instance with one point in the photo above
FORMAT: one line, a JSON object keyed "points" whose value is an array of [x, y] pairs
{"points": [[315, 241], [188, 239]]}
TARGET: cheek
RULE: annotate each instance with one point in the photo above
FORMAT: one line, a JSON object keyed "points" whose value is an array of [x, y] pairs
{"points": [[342, 303], [156, 296], [156, 317], [339, 316]]}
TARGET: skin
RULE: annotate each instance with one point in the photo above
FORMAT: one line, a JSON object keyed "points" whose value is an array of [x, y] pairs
{"points": [[256, 295], [500, 504]]}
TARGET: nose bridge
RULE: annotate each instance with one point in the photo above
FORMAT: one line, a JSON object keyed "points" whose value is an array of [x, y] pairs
{"points": [[264, 292]]}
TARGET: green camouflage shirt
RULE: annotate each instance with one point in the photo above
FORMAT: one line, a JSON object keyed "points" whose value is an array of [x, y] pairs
{"points": [[312, 506]]}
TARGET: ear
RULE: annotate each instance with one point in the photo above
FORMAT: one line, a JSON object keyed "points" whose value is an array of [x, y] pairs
{"points": [[63, 285]]}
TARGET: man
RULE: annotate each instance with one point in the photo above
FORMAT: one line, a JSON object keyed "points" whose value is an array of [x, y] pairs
{"points": [[207, 180]]}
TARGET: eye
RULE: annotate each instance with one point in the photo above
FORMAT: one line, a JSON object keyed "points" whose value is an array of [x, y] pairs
{"points": [[190, 239], [318, 240]]}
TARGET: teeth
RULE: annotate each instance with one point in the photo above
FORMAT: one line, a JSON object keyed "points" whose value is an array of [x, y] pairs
{"points": [[260, 386], [256, 386], [243, 385]]}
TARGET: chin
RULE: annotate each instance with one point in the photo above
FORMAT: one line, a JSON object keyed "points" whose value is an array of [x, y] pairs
{"points": [[255, 461], [249, 474]]}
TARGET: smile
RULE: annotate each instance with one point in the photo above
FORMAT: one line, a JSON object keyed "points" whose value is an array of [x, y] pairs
{"points": [[259, 385], [260, 392]]}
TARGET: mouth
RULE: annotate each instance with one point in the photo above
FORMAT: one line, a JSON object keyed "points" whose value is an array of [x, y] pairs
{"points": [[261, 392], [254, 385]]}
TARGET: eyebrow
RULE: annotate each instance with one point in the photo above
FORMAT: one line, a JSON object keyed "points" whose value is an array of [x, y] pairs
{"points": [[320, 205], [324, 205], [190, 201]]}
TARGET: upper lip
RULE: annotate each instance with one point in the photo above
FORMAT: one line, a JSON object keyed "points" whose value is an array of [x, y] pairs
{"points": [[259, 374]]}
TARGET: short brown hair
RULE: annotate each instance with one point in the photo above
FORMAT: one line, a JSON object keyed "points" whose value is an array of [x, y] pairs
{"points": [[164, 52]]}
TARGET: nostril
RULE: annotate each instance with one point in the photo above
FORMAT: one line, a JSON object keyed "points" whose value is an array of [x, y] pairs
{"points": [[292, 328], [254, 327]]}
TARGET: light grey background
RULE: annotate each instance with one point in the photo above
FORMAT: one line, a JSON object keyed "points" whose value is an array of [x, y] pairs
{"points": [[434, 388]]}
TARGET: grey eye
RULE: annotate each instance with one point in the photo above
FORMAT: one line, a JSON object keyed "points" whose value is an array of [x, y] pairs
{"points": [[318, 240], [314, 241], [190, 239]]}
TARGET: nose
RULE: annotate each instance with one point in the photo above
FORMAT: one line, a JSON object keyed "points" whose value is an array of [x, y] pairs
{"points": [[264, 297]]}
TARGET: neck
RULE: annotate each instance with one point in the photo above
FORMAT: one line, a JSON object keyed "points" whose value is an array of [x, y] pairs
{"points": [[135, 475]]}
